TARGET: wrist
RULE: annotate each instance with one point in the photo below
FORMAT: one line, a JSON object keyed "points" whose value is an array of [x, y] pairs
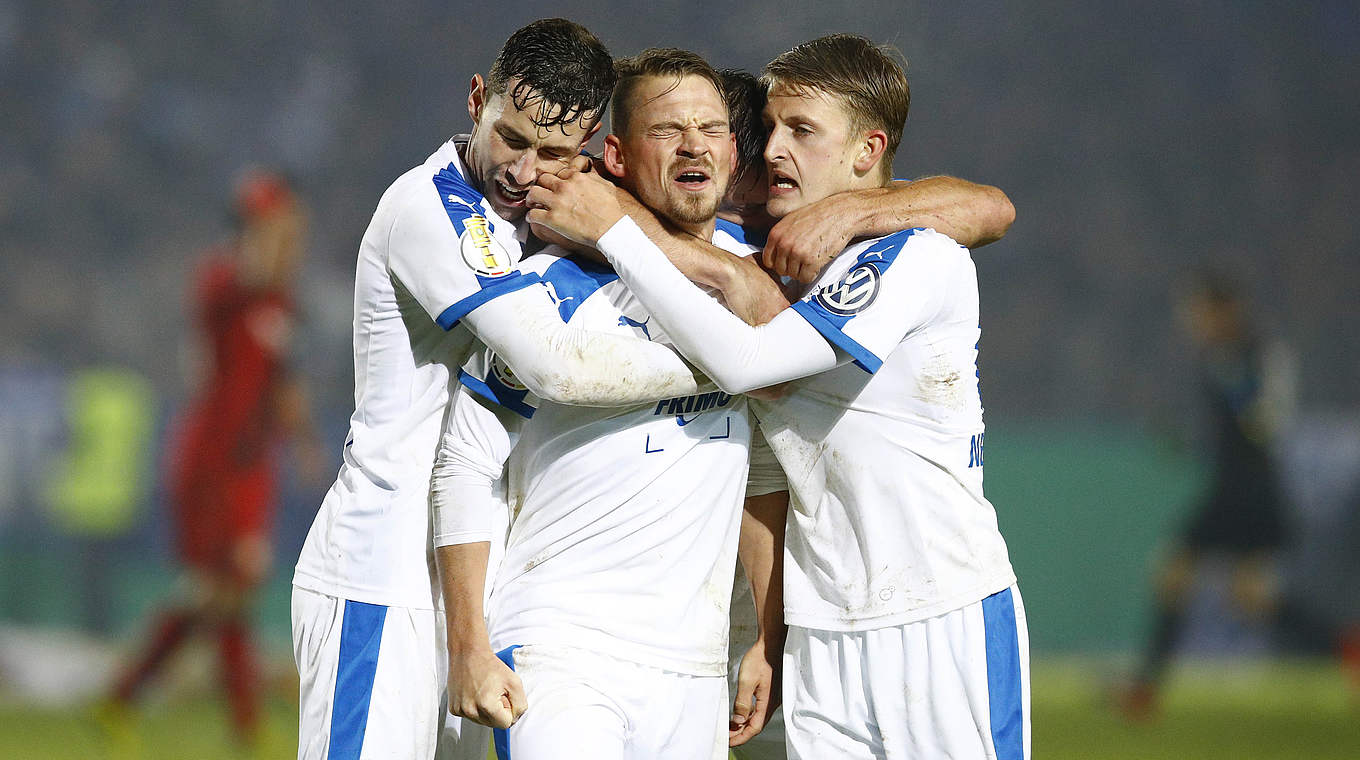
{"points": [[468, 643]]}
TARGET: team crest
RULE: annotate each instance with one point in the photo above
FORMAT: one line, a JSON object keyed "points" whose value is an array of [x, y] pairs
{"points": [[854, 293], [480, 250], [506, 376]]}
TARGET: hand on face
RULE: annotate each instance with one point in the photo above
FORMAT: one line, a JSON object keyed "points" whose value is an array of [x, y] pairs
{"points": [[805, 240], [580, 206]]}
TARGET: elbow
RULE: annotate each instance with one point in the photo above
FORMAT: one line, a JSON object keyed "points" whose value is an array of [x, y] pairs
{"points": [[553, 386], [1002, 216], [733, 385]]}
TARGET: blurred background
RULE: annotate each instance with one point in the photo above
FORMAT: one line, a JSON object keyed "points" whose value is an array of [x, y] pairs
{"points": [[1138, 143]]}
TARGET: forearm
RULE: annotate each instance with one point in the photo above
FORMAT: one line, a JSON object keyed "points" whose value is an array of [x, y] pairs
{"points": [[569, 365], [972, 214], [462, 577], [737, 356], [761, 550], [749, 291]]}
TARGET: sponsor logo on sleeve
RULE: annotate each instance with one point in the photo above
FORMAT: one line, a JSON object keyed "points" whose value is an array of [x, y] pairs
{"points": [[482, 253], [853, 294]]}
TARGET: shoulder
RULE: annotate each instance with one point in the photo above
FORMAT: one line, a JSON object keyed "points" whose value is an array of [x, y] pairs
{"points": [[569, 271], [734, 238]]}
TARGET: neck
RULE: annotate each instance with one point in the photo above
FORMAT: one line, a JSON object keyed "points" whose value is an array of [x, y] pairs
{"points": [[466, 155], [701, 230]]}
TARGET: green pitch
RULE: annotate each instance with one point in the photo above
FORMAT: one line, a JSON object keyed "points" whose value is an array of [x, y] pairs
{"points": [[1244, 712]]}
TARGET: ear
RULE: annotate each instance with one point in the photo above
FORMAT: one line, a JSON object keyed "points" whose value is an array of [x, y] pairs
{"points": [[613, 155], [872, 146], [476, 97], [732, 141]]}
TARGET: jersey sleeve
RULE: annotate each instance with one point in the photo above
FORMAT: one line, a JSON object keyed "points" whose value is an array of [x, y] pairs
{"points": [[488, 376], [444, 251], [477, 441], [893, 288]]}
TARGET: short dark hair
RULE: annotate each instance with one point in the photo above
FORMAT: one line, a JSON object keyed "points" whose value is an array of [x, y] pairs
{"points": [[745, 97], [865, 76], [558, 65], [654, 62]]}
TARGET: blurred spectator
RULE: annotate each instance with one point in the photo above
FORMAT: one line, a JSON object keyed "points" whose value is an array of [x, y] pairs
{"points": [[99, 486], [222, 482]]}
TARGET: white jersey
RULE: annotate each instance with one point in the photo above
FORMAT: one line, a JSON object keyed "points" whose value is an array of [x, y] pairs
{"points": [[625, 521], [887, 521], [433, 253]]}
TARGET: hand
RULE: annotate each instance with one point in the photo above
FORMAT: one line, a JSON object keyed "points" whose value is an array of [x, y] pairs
{"points": [[580, 206], [483, 690], [757, 694], [802, 243]]}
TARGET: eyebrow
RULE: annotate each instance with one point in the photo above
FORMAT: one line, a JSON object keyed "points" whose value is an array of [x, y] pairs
{"points": [[512, 133], [673, 124]]}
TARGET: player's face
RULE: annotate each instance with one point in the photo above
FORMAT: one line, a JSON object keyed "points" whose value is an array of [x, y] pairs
{"points": [[811, 150], [508, 149], [679, 153]]}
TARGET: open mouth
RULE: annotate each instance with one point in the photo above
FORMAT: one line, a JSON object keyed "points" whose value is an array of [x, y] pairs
{"points": [[692, 178], [782, 183], [513, 196]]}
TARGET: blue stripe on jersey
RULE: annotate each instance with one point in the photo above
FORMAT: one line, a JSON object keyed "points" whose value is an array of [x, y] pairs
{"points": [[360, 636], [501, 736], [501, 285], [745, 235], [864, 358], [1003, 676], [831, 325], [496, 392], [461, 200], [573, 280]]}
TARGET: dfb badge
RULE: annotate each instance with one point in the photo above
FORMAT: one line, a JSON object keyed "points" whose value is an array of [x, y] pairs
{"points": [[480, 250], [854, 293], [504, 375]]}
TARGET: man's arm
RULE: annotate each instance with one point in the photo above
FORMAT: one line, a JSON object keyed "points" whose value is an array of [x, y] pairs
{"points": [[803, 241], [458, 273], [738, 357], [471, 456], [569, 365], [747, 290], [761, 549]]}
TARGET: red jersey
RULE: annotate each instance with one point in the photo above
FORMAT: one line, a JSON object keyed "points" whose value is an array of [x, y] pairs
{"points": [[223, 481]]}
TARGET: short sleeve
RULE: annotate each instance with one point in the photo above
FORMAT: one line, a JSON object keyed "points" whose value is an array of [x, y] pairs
{"points": [[893, 288], [448, 254]]}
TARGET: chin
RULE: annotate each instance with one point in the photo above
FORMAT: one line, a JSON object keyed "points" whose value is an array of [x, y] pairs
{"points": [[778, 207]]}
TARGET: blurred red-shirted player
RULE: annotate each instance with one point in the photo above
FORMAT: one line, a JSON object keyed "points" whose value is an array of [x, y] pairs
{"points": [[222, 482]]}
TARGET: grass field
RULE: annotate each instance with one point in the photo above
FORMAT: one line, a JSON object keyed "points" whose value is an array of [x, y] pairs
{"points": [[1230, 711]]}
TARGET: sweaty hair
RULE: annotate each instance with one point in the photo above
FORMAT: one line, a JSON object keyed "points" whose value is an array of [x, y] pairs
{"points": [[745, 98], [653, 62], [557, 66], [864, 76]]}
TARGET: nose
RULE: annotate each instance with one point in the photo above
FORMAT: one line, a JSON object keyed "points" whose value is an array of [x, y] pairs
{"points": [[522, 171], [774, 148], [692, 144]]}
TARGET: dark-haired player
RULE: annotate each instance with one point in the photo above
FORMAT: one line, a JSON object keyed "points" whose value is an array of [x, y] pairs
{"points": [[436, 271]]}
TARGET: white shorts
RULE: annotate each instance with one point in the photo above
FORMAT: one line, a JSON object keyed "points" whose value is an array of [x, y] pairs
{"points": [[956, 685], [584, 705], [373, 683]]}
